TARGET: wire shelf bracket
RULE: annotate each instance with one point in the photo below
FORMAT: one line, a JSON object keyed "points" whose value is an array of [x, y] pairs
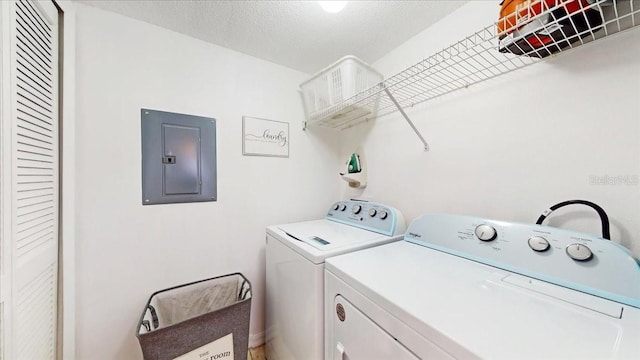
{"points": [[393, 100]]}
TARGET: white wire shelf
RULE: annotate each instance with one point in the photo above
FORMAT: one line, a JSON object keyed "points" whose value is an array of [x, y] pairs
{"points": [[555, 28]]}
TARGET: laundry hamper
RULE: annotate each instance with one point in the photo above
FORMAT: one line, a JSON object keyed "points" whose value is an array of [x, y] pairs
{"points": [[207, 319], [324, 93]]}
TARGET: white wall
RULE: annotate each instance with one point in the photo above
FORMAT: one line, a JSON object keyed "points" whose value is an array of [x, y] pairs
{"points": [[515, 145], [125, 251]]}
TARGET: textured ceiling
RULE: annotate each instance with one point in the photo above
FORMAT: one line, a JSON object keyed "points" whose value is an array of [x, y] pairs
{"points": [[296, 34]]}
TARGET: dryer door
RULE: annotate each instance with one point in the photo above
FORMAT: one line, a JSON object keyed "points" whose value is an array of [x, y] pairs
{"points": [[357, 337]]}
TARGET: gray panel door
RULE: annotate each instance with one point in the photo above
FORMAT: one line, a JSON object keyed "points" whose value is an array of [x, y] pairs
{"points": [[181, 161]]}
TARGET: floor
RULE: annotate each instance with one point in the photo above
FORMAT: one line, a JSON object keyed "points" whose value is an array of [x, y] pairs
{"points": [[256, 353]]}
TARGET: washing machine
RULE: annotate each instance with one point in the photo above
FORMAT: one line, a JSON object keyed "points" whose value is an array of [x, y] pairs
{"points": [[462, 287], [295, 257]]}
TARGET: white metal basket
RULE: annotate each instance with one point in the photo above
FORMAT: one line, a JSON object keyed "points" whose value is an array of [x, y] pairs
{"points": [[332, 86]]}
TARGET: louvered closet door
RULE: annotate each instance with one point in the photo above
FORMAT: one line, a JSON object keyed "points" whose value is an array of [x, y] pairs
{"points": [[34, 203]]}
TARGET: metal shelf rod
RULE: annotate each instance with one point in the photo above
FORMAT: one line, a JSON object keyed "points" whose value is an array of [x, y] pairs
{"points": [[424, 142]]}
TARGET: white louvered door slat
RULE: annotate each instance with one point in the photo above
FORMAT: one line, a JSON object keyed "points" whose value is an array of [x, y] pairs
{"points": [[31, 131], [33, 236]]}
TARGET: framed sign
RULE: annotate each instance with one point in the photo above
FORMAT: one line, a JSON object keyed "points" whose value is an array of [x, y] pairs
{"points": [[261, 137]]}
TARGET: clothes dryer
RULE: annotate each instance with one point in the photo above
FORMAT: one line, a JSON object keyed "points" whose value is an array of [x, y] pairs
{"points": [[465, 287], [295, 257]]}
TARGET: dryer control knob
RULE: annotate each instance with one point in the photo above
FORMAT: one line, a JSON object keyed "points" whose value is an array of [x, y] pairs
{"points": [[538, 243], [336, 206], [579, 252], [356, 209], [383, 214], [372, 212], [343, 207], [486, 232]]}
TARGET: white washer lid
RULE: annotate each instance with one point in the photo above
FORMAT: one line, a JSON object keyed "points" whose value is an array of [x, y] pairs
{"points": [[465, 307], [319, 239]]}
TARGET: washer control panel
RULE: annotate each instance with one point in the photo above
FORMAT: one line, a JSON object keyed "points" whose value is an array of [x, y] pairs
{"points": [[575, 260], [368, 215]]}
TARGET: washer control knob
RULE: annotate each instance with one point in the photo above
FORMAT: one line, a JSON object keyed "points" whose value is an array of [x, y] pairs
{"points": [[372, 212], [579, 252], [486, 232], [356, 209], [538, 243], [343, 207], [383, 214], [336, 206]]}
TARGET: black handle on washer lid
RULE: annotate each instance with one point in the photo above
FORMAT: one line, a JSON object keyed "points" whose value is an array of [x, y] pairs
{"points": [[604, 219]]}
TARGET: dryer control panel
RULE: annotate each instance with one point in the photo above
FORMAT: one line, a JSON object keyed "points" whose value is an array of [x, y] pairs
{"points": [[367, 215], [563, 257]]}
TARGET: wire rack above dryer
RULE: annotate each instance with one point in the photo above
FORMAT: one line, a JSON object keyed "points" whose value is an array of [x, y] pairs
{"points": [[545, 28]]}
